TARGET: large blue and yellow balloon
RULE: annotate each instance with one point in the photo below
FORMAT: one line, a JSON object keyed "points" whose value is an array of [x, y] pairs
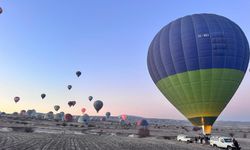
{"points": [[198, 62]]}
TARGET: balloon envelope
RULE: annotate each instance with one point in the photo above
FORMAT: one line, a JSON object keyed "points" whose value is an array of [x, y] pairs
{"points": [[198, 62], [56, 107], [71, 103], [98, 105], [83, 110], [43, 95], [69, 87], [90, 98], [142, 122], [68, 117], [22, 112], [84, 119], [124, 117], [78, 73], [16, 99]]}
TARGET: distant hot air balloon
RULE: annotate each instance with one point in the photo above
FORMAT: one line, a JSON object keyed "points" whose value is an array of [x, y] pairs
{"points": [[84, 119], [68, 117], [16, 99], [56, 107], [142, 123], [124, 117], [49, 115], [22, 112], [90, 98], [108, 114], [15, 113], [62, 113], [83, 110], [31, 113], [1, 10], [71, 103], [43, 96], [98, 105], [198, 62], [78, 73], [69, 87], [58, 117]]}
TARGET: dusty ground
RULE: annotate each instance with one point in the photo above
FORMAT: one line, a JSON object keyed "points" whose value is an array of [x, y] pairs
{"points": [[44, 141], [31, 134]]}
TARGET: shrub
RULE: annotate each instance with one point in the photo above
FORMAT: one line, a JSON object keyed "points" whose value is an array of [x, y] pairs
{"points": [[91, 125], [64, 124], [28, 130]]}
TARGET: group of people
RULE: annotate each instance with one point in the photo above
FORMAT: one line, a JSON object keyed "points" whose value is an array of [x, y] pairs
{"points": [[201, 139]]}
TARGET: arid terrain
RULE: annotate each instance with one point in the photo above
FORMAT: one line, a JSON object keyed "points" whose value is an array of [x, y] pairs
{"points": [[18, 133]]}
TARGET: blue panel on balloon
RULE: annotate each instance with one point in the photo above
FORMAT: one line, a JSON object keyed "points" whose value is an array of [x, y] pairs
{"points": [[199, 41]]}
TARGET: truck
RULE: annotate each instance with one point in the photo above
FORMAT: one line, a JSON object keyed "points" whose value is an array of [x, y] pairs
{"points": [[222, 142], [184, 138]]}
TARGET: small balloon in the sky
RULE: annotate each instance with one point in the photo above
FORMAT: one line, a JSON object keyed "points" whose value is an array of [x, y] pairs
{"points": [[69, 87], [56, 107], [1, 10], [43, 95], [98, 105], [16, 99], [90, 98], [78, 73], [83, 110], [71, 103]]}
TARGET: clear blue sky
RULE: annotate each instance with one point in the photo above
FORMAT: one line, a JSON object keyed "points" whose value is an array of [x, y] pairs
{"points": [[43, 43]]}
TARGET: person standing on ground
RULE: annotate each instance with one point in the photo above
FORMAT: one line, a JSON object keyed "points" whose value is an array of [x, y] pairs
{"points": [[236, 144]]}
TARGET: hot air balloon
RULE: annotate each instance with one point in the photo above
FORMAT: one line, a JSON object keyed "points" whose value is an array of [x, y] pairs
{"points": [[83, 119], [69, 87], [15, 113], [90, 98], [68, 117], [16, 99], [142, 123], [124, 117], [22, 112], [78, 73], [98, 105], [108, 114], [1, 10], [62, 113], [71, 103], [58, 117], [56, 107], [31, 113], [49, 115], [43, 96], [198, 62], [83, 110]]}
